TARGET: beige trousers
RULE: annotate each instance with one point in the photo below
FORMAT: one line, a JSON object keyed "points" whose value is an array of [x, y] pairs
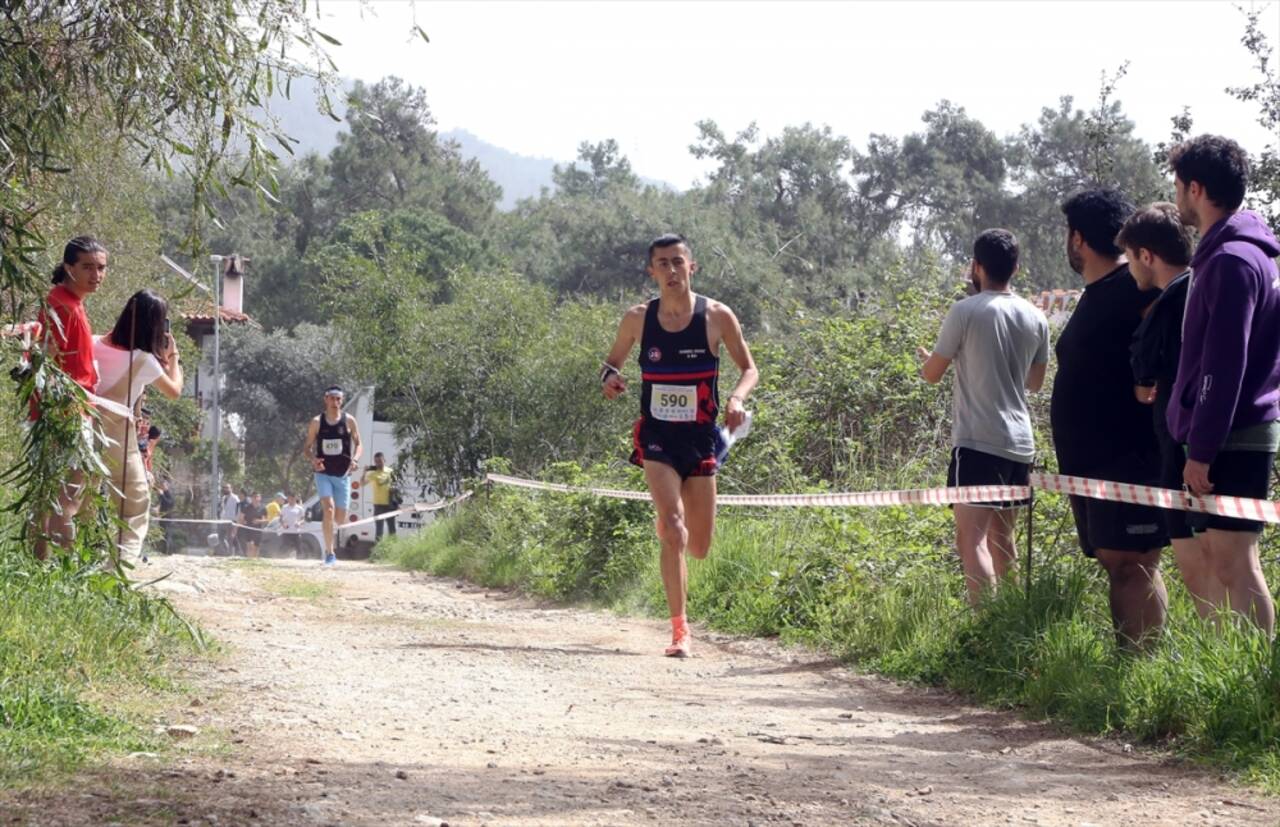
{"points": [[127, 482]]}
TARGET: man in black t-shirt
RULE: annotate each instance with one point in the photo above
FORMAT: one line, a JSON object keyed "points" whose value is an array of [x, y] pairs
{"points": [[254, 516], [1159, 248], [1100, 430]]}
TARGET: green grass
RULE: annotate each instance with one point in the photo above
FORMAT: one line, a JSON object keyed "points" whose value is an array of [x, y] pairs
{"points": [[288, 584], [881, 588], [77, 653]]}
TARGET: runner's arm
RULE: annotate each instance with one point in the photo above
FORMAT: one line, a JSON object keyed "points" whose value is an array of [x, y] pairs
{"points": [[734, 342], [309, 447], [629, 329], [357, 447]]}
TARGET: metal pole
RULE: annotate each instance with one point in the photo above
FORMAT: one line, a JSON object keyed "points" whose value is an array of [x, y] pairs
{"points": [[217, 380], [1031, 507]]}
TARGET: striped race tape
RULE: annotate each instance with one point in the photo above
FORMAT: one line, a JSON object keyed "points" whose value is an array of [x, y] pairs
{"points": [[416, 508], [921, 496], [1238, 507]]}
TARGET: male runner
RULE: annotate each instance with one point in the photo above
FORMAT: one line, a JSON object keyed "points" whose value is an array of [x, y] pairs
{"points": [[1226, 402], [333, 447], [1000, 346], [1100, 430], [1158, 246], [676, 438]]}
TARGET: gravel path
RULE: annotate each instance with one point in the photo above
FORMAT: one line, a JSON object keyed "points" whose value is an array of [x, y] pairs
{"points": [[369, 696]]}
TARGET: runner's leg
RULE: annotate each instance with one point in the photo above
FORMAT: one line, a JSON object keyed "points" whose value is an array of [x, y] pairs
{"points": [[327, 523], [664, 488], [698, 495], [339, 519]]}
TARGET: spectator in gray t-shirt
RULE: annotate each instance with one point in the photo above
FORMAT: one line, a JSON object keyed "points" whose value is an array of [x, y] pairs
{"points": [[999, 344]]}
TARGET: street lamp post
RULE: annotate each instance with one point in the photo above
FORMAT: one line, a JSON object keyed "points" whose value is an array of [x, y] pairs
{"points": [[217, 381], [215, 295]]}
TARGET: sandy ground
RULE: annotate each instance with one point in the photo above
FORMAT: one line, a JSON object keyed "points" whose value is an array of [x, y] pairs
{"points": [[369, 696]]}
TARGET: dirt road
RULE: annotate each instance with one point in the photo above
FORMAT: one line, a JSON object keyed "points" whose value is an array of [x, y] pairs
{"points": [[368, 696]]}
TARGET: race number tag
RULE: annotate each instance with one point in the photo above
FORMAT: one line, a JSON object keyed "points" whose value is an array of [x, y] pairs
{"points": [[331, 447], [674, 403]]}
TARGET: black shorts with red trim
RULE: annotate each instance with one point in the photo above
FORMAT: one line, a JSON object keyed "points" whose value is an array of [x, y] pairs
{"points": [[693, 450]]}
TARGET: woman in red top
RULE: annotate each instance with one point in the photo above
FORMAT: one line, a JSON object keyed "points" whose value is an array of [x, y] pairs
{"points": [[69, 339]]}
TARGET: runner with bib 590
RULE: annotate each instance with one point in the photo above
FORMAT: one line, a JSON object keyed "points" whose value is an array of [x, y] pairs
{"points": [[676, 438]]}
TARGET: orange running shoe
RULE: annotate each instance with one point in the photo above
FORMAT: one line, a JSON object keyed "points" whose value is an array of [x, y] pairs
{"points": [[680, 644]]}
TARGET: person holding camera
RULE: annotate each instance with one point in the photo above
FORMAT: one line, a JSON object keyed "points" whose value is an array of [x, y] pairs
{"points": [[377, 480], [999, 344], [137, 352]]}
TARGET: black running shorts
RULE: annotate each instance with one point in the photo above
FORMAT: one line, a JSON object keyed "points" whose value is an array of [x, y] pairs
{"points": [[1173, 457], [1236, 474], [692, 450], [1119, 526], [971, 467]]}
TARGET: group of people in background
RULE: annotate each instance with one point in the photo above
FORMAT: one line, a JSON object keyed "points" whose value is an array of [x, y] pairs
{"points": [[1168, 375], [245, 518]]}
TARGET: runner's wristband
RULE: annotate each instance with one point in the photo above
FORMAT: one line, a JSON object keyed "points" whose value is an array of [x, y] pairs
{"points": [[607, 371]]}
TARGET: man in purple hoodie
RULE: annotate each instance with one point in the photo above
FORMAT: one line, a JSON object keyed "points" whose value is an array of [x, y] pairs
{"points": [[1226, 399]]}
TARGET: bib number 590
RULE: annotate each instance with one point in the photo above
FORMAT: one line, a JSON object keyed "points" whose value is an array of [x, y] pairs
{"points": [[674, 403]]}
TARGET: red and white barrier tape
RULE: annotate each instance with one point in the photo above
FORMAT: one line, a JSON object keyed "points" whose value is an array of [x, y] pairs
{"points": [[922, 496], [1238, 507], [416, 508]]}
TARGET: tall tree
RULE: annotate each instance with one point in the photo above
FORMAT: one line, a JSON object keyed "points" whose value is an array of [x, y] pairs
{"points": [[174, 84], [1265, 92], [393, 159]]}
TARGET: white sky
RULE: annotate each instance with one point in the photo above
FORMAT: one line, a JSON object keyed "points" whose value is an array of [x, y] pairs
{"points": [[539, 77]]}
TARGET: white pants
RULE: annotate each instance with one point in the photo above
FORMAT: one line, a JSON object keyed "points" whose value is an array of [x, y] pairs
{"points": [[129, 491]]}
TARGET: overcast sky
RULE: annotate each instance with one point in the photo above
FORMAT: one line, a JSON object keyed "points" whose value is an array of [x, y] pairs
{"points": [[539, 77]]}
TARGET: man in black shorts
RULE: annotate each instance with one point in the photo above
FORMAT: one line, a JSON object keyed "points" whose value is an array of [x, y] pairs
{"points": [[676, 438], [1158, 246], [1226, 401], [1100, 430], [999, 344]]}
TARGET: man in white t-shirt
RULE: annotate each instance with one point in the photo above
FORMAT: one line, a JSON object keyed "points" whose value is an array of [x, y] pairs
{"points": [[228, 513], [1000, 346], [290, 521]]}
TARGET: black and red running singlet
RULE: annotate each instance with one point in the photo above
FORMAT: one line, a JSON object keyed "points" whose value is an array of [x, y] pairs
{"points": [[680, 373]]}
